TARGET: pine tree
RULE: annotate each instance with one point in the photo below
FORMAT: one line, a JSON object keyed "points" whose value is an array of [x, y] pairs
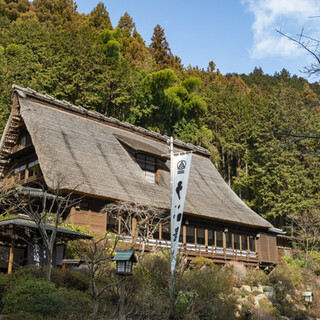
{"points": [[126, 25], [99, 17], [159, 48]]}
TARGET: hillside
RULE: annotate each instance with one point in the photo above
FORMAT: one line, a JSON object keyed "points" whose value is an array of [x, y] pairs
{"points": [[252, 123]]}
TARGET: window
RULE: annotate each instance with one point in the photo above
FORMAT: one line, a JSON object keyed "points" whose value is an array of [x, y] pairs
{"points": [[20, 172], [236, 240], [210, 238], [24, 139], [190, 234], [244, 242], [200, 236], [148, 165], [228, 240], [121, 266], [219, 239], [252, 243], [128, 266], [34, 168]]}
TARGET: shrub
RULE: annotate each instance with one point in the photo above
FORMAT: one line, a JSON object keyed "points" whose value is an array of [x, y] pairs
{"points": [[148, 288], [24, 291], [30, 272], [184, 303], [46, 304], [315, 262], [255, 277], [79, 304], [201, 262], [70, 279], [288, 274], [5, 284], [25, 316], [213, 290]]}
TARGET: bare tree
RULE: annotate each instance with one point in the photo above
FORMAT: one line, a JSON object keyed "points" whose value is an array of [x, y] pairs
{"points": [[97, 255], [307, 230], [311, 46], [139, 221], [44, 208]]}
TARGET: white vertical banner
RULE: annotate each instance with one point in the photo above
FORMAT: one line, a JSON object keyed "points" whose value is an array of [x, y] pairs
{"points": [[180, 169]]}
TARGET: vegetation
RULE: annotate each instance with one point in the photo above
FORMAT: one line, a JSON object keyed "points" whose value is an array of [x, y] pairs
{"points": [[255, 126], [204, 288]]}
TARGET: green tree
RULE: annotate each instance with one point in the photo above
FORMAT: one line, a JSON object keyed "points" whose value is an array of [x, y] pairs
{"points": [[126, 25], [55, 12], [99, 17], [13, 9], [159, 48]]}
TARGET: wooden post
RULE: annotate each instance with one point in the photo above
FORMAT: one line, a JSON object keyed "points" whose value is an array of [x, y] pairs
{"points": [[122, 310], [206, 234], [64, 266], [10, 263], [119, 225]]}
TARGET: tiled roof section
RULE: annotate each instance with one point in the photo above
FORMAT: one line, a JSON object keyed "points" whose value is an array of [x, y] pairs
{"points": [[125, 255], [110, 120]]}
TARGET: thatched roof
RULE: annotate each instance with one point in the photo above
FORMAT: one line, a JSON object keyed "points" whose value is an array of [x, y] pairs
{"points": [[87, 151]]}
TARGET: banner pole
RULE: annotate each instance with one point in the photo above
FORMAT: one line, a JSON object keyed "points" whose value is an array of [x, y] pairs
{"points": [[171, 184]]}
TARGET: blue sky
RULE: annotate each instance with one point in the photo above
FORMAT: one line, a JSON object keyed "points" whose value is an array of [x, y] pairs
{"points": [[236, 34]]}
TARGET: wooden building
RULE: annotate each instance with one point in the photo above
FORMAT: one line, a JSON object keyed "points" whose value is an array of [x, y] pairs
{"points": [[21, 243], [105, 160]]}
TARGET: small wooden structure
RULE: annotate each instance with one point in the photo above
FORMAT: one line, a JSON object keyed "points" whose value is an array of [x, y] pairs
{"points": [[124, 260], [21, 243]]}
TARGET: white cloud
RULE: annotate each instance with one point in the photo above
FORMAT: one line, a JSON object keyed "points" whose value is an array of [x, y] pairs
{"points": [[287, 15]]}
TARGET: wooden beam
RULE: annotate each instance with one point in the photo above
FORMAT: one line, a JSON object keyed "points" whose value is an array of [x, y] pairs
{"points": [[10, 263], [64, 266]]}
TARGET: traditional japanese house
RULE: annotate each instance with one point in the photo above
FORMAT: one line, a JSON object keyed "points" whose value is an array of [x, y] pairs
{"points": [[52, 141]]}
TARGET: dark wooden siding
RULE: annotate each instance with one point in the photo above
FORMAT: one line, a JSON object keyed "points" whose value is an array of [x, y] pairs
{"points": [[267, 246]]}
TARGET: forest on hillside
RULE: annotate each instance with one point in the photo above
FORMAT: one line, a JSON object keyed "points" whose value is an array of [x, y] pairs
{"points": [[252, 124]]}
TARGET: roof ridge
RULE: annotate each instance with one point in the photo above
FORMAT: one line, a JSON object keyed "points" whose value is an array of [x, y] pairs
{"points": [[96, 115]]}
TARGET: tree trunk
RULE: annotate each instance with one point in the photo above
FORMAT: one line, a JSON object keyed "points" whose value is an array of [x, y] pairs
{"points": [[229, 169], [49, 266], [95, 308]]}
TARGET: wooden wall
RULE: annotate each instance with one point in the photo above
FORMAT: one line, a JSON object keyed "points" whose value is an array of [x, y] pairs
{"points": [[94, 221], [267, 248]]}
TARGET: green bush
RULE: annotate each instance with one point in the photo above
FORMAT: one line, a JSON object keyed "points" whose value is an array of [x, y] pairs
{"points": [[315, 262], [288, 274], [79, 304], [70, 279], [184, 303], [30, 272], [24, 291], [255, 277], [213, 290], [46, 304], [25, 316], [5, 284]]}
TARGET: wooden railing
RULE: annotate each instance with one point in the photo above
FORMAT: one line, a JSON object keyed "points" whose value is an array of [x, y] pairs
{"points": [[217, 254]]}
